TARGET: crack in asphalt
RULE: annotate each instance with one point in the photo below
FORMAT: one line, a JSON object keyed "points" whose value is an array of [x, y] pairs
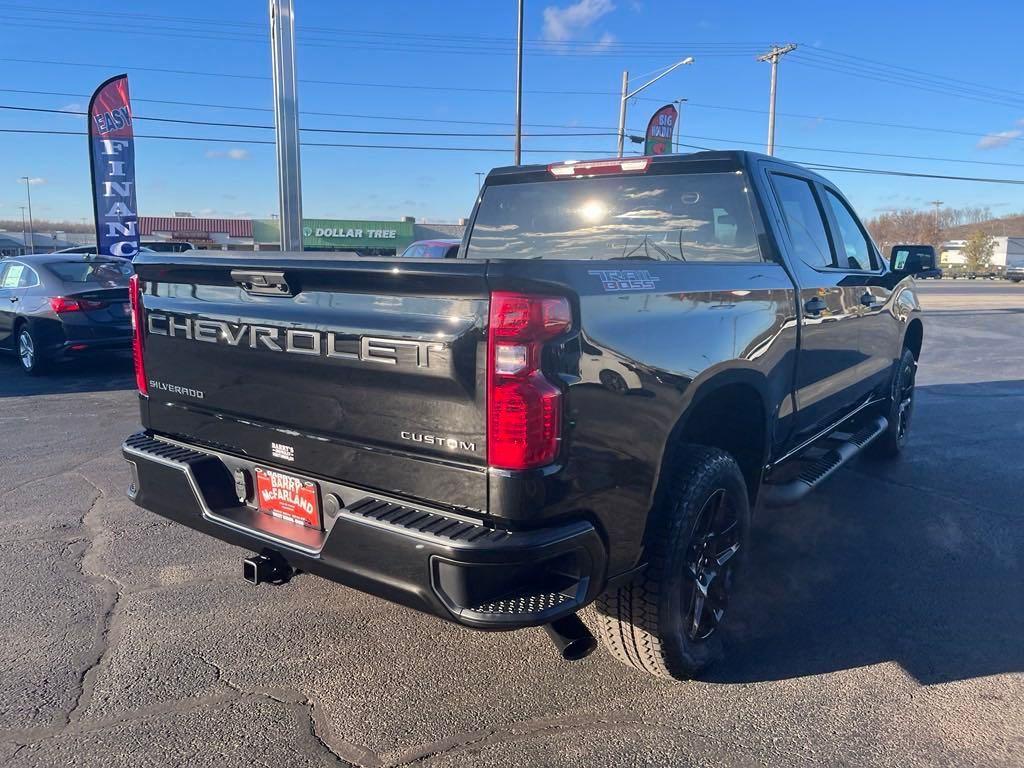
{"points": [[113, 589], [532, 728], [42, 478], [289, 697]]}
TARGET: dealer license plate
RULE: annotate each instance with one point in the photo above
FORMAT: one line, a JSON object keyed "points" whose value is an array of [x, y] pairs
{"points": [[288, 497]]}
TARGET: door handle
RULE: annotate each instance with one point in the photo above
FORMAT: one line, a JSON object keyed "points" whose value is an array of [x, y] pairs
{"points": [[869, 299], [815, 306], [13, 299]]}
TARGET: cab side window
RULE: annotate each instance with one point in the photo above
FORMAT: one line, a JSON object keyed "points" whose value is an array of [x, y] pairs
{"points": [[804, 220], [855, 251]]}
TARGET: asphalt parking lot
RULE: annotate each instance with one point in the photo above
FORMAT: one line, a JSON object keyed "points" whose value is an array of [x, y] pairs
{"points": [[881, 624]]}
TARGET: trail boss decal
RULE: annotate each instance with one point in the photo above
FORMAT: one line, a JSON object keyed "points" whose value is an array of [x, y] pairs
{"points": [[625, 279]]}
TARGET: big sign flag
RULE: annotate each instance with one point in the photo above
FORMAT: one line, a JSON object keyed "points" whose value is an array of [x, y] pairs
{"points": [[112, 157], [659, 131]]}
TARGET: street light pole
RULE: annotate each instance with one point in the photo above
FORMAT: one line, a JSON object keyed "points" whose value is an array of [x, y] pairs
{"points": [[519, 90], [31, 224], [776, 53], [679, 119], [627, 95], [23, 230], [479, 180]]}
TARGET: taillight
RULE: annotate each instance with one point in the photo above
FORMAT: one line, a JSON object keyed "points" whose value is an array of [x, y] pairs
{"points": [[135, 303], [62, 305], [524, 409]]}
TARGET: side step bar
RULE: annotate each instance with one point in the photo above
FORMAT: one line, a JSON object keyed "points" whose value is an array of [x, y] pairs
{"points": [[817, 470]]}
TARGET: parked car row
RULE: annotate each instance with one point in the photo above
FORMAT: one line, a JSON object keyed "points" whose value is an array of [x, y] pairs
{"points": [[59, 306]]}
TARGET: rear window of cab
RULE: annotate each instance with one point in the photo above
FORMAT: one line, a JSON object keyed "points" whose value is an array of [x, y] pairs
{"points": [[695, 217], [110, 274]]}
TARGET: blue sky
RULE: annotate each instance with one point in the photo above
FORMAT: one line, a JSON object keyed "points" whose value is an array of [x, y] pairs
{"points": [[396, 67]]}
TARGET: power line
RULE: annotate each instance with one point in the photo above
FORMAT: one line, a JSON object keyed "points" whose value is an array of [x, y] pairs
{"points": [[393, 42], [313, 113], [864, 153], [453, 121], [215, 124], [818, 166], [354, 84], [212, 139], [851, 121], [840, 54], [895, 79], [887, 172], [560, 46], [452, 134]]}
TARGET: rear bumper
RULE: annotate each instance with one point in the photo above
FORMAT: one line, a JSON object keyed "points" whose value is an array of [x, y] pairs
{"points": [[424, 558], [85, 346]]}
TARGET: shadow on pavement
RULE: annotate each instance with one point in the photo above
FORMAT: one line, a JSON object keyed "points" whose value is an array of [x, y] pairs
{"points": [[880, 566], [95, 374]]}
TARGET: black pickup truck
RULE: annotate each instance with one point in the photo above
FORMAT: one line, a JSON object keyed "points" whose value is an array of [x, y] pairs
{"points": [[626, 357]]}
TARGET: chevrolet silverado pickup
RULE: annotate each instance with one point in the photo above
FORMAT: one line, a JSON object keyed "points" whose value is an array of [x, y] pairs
{"points": [[581, 409]]}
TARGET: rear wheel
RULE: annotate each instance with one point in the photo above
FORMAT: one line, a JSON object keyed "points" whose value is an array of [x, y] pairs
{"points": [[666, 621], [29, 353], [899, 409]]}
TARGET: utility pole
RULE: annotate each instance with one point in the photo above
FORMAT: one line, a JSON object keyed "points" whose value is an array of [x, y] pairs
{"points": [[679, 118], [627, 95], [776, 53], [31, 224], [938, 229], [286, 122], [519, 89]]}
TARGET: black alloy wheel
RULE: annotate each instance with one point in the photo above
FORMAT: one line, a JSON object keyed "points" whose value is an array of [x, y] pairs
{"points": [[714, 545], [897, 409]]}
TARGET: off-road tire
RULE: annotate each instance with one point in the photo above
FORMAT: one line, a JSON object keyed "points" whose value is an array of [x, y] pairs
{"points": [[641, 624], [890, 443]]}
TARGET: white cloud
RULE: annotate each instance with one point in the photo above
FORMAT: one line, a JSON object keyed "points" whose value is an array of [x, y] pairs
{"points": [[235, 153], [999, 139], [561, 24], [35, 181], [75, 108]]}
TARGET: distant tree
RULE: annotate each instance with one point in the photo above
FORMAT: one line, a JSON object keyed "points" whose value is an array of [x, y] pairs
{"points": [[978, 251]]}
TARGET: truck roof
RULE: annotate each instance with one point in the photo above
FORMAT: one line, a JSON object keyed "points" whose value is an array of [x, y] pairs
{"points": [[718, 159]]}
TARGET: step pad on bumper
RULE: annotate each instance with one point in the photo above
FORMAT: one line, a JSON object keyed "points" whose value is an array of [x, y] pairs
{"points": [[433, 523]]}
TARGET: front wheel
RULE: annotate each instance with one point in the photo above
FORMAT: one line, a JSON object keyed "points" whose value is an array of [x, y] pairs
{"points": [[899, 408], [666, 621]]}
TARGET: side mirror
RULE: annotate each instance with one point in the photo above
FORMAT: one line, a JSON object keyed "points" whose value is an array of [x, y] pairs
{"points": [[912, 259]]}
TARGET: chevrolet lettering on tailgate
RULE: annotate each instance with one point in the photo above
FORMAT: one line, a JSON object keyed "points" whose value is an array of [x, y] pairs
{"points": [[429, 357]]}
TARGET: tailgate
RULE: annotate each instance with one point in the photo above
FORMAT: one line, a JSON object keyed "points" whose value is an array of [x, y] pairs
{"points": [[370, 372]]}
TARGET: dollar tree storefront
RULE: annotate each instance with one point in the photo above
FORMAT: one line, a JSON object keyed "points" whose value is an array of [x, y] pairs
{"points": [[367, 238]]}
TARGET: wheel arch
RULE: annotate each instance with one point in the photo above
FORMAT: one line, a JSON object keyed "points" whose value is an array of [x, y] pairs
{"points": [[728, 411], [914, 337]]}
